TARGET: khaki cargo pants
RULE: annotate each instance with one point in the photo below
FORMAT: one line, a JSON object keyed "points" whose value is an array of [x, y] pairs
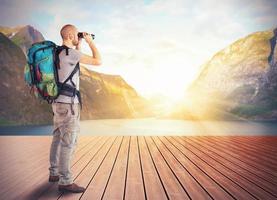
{"points": [[64, 142]]}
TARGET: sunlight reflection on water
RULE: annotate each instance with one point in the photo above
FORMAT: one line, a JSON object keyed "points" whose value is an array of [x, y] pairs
{"points": [[152, 126]]}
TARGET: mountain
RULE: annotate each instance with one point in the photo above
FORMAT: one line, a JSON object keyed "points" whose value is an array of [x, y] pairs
{"points": [[104, 96], [23, 36], [109, 96], [17, 106], [238, 81], [10, 31]]}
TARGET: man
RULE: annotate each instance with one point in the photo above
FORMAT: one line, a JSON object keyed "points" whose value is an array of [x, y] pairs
{"points": [[271, 58], [66, 109]]}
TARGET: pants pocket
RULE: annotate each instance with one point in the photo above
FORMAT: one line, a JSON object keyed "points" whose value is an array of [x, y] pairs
{"points": [[62, 110], [68, 138]]}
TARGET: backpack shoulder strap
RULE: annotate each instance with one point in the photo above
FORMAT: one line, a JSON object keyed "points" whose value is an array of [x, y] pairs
{"points": [[69, 90], [58, 50], [76, 68]]}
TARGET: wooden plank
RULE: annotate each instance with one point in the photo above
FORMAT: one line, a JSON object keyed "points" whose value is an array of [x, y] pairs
{"points": [[267, 142], [172, 185], [21, 148], [193, 187], [244, 159], [39, 180], [18, 148], [81, 162], [97, 184], [31, 162], [134, 182], [228, 185], [260, 181], [210, 185], [252, 171], [153, 185], [18, 155], [36, 170], [95, 163], [253, 147], [229, 171], [145, 167], [116, 184]]}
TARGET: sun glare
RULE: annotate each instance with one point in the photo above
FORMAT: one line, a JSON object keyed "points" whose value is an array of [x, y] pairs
{"points": [[170, 78]]}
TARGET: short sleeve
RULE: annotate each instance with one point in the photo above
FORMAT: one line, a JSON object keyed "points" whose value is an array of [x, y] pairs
{"points": [[75, 54]]}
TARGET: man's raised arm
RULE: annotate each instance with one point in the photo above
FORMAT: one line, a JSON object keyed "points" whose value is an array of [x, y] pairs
{"points": [[95, 58]]}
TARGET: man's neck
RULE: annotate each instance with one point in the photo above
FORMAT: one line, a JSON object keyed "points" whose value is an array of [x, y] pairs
{"points": [[68, 44]]}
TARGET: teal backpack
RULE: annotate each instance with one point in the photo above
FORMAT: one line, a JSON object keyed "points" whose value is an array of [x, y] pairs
{"points": [[41, 72]]}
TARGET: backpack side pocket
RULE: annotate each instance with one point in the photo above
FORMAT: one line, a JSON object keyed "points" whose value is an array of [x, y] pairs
{"points": [[27, 74]]}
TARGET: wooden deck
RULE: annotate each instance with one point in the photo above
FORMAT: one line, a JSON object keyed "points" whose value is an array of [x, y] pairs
{"points": [[145, 167]]}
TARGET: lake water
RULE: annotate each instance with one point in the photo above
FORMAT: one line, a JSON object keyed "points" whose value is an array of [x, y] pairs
{"points": [[153, 126]]}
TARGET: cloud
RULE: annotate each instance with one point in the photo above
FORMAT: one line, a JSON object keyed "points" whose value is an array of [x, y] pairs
{"points": [[14, 13], [143, 41]]}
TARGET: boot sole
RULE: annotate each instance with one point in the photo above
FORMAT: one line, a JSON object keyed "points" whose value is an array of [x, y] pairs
{"points": [[72, 191], [53, 180]]}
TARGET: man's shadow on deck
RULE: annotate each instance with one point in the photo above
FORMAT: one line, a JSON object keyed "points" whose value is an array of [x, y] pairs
{"points": [[44, 189]]}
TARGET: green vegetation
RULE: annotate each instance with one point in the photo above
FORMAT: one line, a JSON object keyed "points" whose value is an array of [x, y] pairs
{"points": [[17, 40], [249, 110], [4, 122], [243, 90]]}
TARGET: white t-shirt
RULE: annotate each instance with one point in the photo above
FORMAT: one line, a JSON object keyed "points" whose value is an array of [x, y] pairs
{"points": [[67, 64]]}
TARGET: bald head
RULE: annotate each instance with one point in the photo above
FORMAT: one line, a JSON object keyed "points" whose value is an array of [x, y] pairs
{"points": [[68, 30], [69, 33]]}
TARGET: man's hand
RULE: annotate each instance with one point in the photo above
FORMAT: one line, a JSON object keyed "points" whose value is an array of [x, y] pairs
{"points": [[95, 58], [78, 47], [88, 38]]}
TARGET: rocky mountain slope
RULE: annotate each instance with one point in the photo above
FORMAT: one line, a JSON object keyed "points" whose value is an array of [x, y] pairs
{"points": [[17, 105], [23, 36], [104, 96], [238, 81]]}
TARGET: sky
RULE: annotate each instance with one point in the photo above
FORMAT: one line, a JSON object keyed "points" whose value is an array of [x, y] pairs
{"points": [[157, 46]]}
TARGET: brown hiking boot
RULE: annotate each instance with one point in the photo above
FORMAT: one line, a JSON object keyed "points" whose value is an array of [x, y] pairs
{"points": [[71, 188], [53, 178]]}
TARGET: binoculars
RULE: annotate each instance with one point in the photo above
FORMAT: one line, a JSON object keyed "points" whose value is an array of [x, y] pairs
{"points": [[80, 35]]}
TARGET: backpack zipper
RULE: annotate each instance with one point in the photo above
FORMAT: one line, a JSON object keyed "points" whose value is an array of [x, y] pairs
{"points": [[46, 58]]}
